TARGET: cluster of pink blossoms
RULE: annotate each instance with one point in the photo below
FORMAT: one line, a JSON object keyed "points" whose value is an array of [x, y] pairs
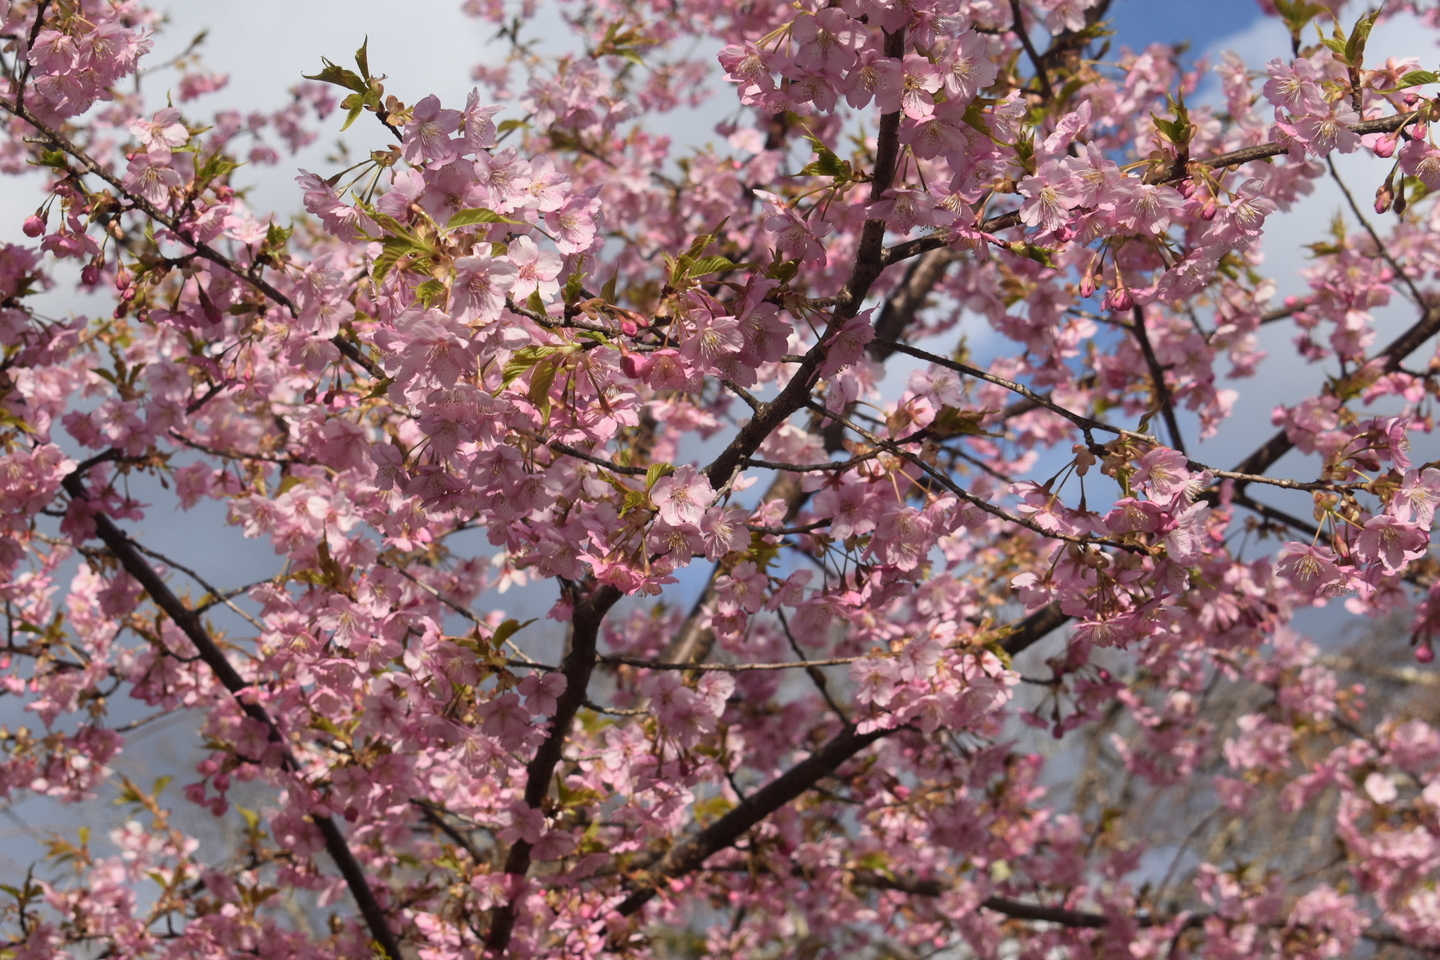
{"points": [[811, 614]]}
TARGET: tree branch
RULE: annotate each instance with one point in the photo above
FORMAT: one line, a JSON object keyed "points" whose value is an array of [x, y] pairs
{"points": [[123, 549], [691, 854], [1157, 377], [869, 263], [204, 250], [1393, 355], [577, 666], [1161, 174]]}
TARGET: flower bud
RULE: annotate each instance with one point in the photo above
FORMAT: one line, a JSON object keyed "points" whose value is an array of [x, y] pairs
{"points": [[1087, 285], [1412, 98], [122, 279], [90, 274], [1385, 147], [1187, 188], [1209, 210], [1384, 197], [1118, 300], [1424, 653], [634, 365], [34, 226]]}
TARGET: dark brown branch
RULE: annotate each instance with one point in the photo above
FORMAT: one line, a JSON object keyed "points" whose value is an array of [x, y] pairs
{"points": [[869, 262], [1025, 633], [1017, 27], [124, 550], [906, 300], [691, 854], [577, 667], [1157, 377]]}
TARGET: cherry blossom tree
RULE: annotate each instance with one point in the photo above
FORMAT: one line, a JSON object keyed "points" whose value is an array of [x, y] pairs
{"points": [[828, 577]]}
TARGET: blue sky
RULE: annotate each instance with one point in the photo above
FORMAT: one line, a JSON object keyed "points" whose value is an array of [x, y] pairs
{"points": [[1141, 22]]}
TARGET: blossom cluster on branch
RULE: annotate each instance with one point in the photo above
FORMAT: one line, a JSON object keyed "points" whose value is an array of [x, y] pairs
{"points": [[642, 373]]}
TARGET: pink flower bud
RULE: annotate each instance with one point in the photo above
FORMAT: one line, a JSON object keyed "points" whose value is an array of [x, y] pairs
{"points": [[90, 275], [1384, 197], [122, 279], [634, 365], [1087, 285], [1411, 99], [1209, 210], [34, 226], [1424, 653], [628, 327], [1187, 188], [1118, 300], [1385, 147]]}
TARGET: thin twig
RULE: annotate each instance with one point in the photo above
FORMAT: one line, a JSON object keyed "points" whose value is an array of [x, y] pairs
{"points": [[1380, 247], [1017, 27]]}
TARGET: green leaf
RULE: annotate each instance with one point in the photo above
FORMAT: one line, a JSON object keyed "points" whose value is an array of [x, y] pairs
{"points": [[714, 264], [252, 818], [1298, 13], [783, 270], [380, 388], [572, 288], [389, 223], [474, 215], [608, 291], [354, 105], [828, 164], [51, 158], [1415, 78], [362, 58], [541, 378], [505, 126], [527, 357], [1355, 47], [338, 75], [1040, 255], [276, 235], [507, 630], [430, 291], [950, 422], [656, 471], [215, 165], [394, 249]]}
